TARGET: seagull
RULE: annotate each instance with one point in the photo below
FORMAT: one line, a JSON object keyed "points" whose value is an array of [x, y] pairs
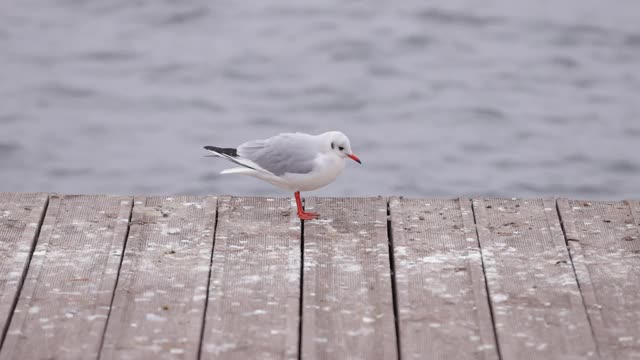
{"points": [[291, 161]]}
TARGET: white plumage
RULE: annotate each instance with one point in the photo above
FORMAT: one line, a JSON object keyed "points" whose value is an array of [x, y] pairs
{"points": [[291, 161]]}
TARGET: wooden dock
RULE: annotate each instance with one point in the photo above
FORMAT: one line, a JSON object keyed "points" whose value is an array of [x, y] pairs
{"points": [[118, 277]]}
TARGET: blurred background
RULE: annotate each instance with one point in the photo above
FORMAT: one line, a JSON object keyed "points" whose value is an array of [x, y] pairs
{"points": [[439, 98]]}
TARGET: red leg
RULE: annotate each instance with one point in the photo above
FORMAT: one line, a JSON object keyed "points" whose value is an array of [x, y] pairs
{"points": [[301, 213]]}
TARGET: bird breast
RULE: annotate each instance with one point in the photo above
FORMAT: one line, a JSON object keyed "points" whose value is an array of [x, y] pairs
{"points": [[326, 170]]}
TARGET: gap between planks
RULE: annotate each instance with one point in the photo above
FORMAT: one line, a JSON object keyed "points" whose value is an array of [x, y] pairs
{"points": [[300, 334], [394, 294], [23, 277], [206, 301], [115, 286], [300, 303], [553, 204], [575, 274], [389, 234], [486, 283], [348, 302]]}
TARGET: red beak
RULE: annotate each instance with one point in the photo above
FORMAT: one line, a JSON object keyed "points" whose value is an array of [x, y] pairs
{"points": [[355, 158]]}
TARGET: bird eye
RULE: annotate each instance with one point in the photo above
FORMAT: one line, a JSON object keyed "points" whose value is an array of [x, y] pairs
{"points": [[340, 148]]}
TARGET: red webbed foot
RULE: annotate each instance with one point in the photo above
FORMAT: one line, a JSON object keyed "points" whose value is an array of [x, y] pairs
{"points": [[308, 215]]}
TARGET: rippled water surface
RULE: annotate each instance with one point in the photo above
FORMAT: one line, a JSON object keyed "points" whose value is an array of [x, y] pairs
{"points": [[440, 98]]}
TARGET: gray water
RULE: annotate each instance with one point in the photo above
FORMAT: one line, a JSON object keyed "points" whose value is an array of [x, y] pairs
{"points": [[440, 98]]}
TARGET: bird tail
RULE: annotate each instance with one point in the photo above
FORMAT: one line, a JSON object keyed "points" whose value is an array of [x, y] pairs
{"points": [[232, 155], [238, 170]]}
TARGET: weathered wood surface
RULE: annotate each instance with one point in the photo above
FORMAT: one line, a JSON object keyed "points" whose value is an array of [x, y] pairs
{"points": [[604, 239], [159, 302], [253, 306], [64, 303], [443, 310], [347, 299], [537, 306], [374, 278], [20, 218]]}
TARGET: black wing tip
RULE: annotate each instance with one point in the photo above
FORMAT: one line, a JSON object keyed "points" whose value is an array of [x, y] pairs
{"points": [[226, 151]]}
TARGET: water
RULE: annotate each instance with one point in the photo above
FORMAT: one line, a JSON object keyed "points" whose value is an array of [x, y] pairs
{"points": [[440, 98]]}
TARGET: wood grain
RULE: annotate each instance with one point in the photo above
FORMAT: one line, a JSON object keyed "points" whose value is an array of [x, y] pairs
{"points": [[604, 240], [254, 294], [63, 306], [20, 219], [546, 302], [347, 292], [441, 293], [537, 306], [160, 299]]}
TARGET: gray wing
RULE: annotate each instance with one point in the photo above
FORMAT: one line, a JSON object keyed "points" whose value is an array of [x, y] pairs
{"points": [[284, 153]]}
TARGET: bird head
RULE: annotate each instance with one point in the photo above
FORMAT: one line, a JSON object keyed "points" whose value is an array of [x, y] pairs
{"points": [[339, 143]]}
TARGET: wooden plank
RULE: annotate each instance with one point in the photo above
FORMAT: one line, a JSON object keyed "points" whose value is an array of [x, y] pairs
{"points": [[63, 306], [20, 219], [443, 307], [604, 240], [347, 292], [160, 299], [254, 293], [537, 306]]}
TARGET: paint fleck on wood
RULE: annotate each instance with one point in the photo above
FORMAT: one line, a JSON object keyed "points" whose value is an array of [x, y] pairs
{"points": [[254, 291], [20, 218], [64, 304], [374, 278], [534, 295], [443, 311], [605, 246], [162, 288], [347, 293]]}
